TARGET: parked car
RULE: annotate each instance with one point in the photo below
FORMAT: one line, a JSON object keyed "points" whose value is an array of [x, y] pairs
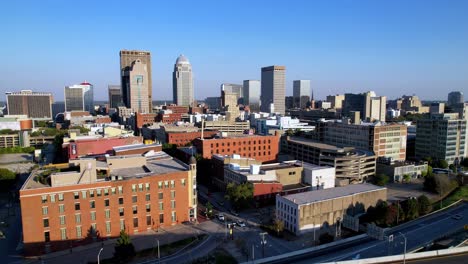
{"points": [[221, 217], [457, 217], [240, 223]]}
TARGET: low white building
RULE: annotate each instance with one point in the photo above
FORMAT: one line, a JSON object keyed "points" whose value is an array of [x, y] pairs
{"points": [[319, 177]]}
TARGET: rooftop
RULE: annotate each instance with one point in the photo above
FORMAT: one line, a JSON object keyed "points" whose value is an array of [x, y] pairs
{"points": [[332, 193], [152, 167]]}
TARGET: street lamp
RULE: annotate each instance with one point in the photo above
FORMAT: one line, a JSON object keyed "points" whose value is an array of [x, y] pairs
{"points": [[99, 254], [263, 242], [404, 254]]}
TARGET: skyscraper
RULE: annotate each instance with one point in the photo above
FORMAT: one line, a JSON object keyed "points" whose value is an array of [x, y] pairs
{"points": [[127, 57], [79, 97], [455, 98], [301, 93], [273, 89], [370, 106], [115, 96], [251, 93], [182, 82], [137, 90], [232, 88], [32, 104]]}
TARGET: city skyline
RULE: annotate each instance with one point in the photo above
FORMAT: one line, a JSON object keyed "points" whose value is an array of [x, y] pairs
{"points": [[345, 46]]}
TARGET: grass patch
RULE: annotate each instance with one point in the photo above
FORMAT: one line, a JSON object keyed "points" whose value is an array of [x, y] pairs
{"points": [[168, 249], [219, 256], [461, 193]]}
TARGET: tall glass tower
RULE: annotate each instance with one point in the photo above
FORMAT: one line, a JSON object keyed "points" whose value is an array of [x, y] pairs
{"points": [[182, 82]]}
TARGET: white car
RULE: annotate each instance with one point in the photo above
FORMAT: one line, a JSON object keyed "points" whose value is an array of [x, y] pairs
{"points": [[221, 217], [240, 223]]}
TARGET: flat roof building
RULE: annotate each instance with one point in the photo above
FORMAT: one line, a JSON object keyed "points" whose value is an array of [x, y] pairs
{"points": [[29, 103], [273, 89]]}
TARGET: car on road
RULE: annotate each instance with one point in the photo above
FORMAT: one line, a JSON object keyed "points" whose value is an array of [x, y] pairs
{"points": [[457, 217], [221, 217], [240, 223]]}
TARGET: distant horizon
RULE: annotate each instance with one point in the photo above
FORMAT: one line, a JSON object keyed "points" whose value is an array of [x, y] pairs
{"points": [[390, 47]]}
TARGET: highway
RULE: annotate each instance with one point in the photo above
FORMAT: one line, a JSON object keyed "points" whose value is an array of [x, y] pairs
{"points": [[418, 233], [453, 259]]}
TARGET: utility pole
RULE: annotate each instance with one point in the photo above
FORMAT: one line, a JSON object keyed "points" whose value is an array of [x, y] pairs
{"points": [[404, 254], [253, 252], [98, 255], [263, 242]]}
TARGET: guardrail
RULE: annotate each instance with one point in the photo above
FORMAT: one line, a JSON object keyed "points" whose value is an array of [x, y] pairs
{"points": [[410, 256]]}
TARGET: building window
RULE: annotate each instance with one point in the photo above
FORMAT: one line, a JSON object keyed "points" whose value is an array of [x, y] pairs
{"points": [[134, 199], [173, 216], [173, 204], [161, 218], [44, 198], [121, 200], [148, 220], [135, 222], [92, 204], [106, 192], [161, 206], [135, 209], [148, 208], [63, 233], [76, 195], [62, 219], [77, 206], [172, 184], [121, 212], [78, 218], [91, 193], [166, 184], [147, 186], [122, 224], [78, 232], [83, 194], [182, 182], [47, 236], [60, 196], [133, 187], [140, 187], [107, 212], [45, 210], [61, 208], [173, 194], [52, 198], [45, 221], [113, 190], [160, 196], [120, 189], [106, 202], [108, 227], [93, 216], [148, 197], [160, 185], [98, 192]]}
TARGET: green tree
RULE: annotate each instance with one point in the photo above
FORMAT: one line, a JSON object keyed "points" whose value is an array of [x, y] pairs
{"points": [[391, 215], [380, 179], [326, 238], [412, 209], [240, 195], [124, 249], [289, 132], [6, 174], [407, 178], [424, 205], [430, 183], [278, 225], [442, 164], [380, 212], [83, 130], [209, 210]]}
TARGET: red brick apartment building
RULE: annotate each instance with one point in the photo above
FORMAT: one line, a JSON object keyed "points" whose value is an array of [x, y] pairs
{"points": [[78, 207], [169, 118], [261, 148], [144, 119], [96, 146], [177, 109], [183, 138]]}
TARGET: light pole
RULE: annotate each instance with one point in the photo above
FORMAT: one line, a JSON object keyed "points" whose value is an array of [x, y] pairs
{"points": [[404, 254], [159, 256], [99, 254], [318, 181], [263, 242]]}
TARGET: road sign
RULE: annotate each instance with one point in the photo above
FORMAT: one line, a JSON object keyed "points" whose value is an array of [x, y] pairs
{"points": [[390, 238]]}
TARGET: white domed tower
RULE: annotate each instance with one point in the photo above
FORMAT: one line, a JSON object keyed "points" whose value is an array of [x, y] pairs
{"points": [[182, 82]]}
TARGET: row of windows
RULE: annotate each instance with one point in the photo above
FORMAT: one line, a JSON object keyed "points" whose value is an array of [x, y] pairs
{"points": [[242, 143]]}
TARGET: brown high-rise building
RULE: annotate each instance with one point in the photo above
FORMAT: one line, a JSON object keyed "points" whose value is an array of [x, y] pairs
{"points": [[32, 104], [127, 58]]}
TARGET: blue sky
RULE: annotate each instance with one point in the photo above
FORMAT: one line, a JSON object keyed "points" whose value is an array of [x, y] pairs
{"points": [[391, 47]]}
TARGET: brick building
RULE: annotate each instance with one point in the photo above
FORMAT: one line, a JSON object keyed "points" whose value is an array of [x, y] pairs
{"points": [[96, 146], [169, 118], [144, 119], [262, 148], [77, 207], [182, 139], [176, 109]]}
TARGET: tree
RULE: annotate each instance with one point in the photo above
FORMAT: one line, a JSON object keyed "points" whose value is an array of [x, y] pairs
{"points": [[380, 179], [406, 178], [442, 164], [209, 210], [279, 226], [240, 195], [464, 162], [6, 174], [124, 249], [380, 212], [424, 204], [430, 183], [412, 209], [325, 238], [391, 215]]}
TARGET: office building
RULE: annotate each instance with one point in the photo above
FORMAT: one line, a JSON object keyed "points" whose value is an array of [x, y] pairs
{"points": [[442, 137], [115, 96], [336, 101], [213, 103], [182, 82], [455, 98], [273, 89], [137, 89], [232, 89], [351, 165], [385, 140], [79, 97], [302, 93], [29, 103], [310, 211], [370, 106], [127, 59], [396, 170], [95, 200], [251, 92], [437, 108]]}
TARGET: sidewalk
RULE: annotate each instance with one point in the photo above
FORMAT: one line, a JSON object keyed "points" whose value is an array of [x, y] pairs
{"points": [[88, 253]]}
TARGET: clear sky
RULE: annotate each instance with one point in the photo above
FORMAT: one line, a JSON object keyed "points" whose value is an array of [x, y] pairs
{"points": [[392, 47]]}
